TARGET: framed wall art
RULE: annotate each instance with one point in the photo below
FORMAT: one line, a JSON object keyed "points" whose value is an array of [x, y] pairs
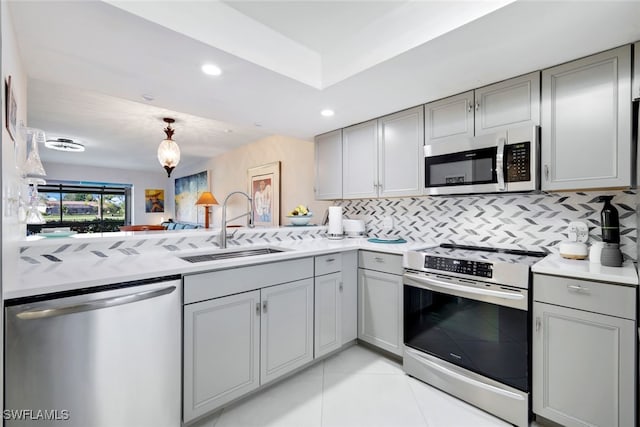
{"points": [[264, 188], [153, 200], [10, 108], [187, 191]]}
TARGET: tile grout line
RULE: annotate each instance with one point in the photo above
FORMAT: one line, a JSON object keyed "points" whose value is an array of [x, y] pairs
{"points": [[322, 393], [415, 399]]}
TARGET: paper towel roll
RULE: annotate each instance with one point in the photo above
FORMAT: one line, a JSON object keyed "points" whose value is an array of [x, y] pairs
{"points": [[334, 231]]}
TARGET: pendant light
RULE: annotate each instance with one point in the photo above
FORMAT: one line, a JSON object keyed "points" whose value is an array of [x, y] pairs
{"points": [[168, 151]]}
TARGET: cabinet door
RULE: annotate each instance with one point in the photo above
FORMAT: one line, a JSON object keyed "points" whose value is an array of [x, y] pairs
{"points": [[328, 313], [328, 163], [221, 350], [583, 367], [380, 310], [448, 118], [514, 102], [586, 122], [401, 153], [286, 328], [636, 71], [349, 296], [360, 160]]}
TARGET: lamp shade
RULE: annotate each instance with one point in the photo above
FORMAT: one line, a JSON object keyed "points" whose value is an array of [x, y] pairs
{"points": [[169, 154], [206, 199], [168, 150]]}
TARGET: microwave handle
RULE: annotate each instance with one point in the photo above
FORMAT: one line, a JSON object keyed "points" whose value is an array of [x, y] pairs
{"points": [[500, 164]]}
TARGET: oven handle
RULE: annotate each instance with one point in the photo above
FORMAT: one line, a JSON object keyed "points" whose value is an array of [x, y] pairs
{"points": [[430, 283], [467, 380]]}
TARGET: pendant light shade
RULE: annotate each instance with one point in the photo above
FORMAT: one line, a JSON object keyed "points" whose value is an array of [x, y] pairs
{"points": [[168, 151]]}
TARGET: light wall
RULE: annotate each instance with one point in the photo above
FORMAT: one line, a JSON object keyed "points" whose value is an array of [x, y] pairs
{"points": [[13, 152], [228, 172], [140, 181]]}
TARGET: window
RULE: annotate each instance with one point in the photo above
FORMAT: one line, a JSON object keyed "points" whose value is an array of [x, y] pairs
{"points": [[84, 208]]}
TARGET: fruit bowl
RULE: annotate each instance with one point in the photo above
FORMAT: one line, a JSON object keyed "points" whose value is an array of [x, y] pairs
{"points": [[300, 219]]}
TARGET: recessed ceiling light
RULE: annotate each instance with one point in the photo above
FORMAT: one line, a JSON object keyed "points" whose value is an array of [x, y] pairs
{"points": [[64, 144], [211, 70], [327, 112]]}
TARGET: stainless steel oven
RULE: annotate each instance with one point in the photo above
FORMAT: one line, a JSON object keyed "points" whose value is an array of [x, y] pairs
{"points": [[467, 326], [506, 161]]}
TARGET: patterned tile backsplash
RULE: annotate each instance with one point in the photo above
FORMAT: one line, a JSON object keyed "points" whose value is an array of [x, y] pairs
{"points": [[528, 221]]}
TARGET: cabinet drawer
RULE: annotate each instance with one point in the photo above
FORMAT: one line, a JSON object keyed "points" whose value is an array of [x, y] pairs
{"points": [[214, 284], [326, 264], [597, 297], [378, 261]]}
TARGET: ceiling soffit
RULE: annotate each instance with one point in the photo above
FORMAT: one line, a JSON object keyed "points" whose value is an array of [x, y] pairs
{"points": [[316, 43]]}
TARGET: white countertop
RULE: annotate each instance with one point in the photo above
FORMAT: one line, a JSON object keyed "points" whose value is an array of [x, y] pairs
{"points": [[89, 272], [583, 269], [84, 271]]}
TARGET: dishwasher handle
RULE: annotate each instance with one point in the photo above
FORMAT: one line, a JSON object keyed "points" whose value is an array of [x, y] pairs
{"points": [[94, 305]]}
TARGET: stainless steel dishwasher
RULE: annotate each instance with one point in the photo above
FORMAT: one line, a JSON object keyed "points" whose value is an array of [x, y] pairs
{"points": [[100, 357]]}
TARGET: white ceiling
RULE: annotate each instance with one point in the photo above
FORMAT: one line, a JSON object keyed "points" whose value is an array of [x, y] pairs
{"points": [[90, 62]]}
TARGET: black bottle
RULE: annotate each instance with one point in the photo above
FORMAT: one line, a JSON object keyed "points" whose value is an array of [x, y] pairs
{"points": [[609, 221]]}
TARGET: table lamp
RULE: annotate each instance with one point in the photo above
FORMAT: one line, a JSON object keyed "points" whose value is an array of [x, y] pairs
{"points": [[207, 200]]}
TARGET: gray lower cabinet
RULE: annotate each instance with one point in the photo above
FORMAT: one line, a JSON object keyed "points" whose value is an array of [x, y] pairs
{"points": [[286, 328], [328, 313], [221, 352], [336, 303], [380, 301], [584, 363], [235, 343]]}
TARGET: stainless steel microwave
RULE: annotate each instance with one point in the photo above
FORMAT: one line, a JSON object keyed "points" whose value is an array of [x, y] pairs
{"points": [[506, 161]]}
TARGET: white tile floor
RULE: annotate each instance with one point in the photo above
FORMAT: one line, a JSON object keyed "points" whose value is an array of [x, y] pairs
{"points": [[356, 387]]}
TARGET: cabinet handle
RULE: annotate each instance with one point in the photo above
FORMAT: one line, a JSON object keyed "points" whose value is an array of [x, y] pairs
{"points": [[330, 259], [340, 287], [379, 259], [264, 306], [546, 172], [477, 106], [538, 324], [577, 288], [469, 107], [258, 308]]}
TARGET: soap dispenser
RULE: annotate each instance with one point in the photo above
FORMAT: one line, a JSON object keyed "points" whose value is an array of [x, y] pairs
{"points": [[610, 222]]}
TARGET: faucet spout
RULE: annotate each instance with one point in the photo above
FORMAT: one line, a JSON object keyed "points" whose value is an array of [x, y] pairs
{"points": [[223, 228]]}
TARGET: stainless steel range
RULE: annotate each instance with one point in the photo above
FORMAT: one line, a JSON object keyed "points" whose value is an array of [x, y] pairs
{"points": [[467, 325]]}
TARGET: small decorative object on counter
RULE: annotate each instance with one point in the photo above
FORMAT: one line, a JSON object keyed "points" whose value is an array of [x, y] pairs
{"points": [[301, 215], [611, 255]]}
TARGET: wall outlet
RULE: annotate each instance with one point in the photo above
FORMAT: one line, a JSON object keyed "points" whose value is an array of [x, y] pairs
{"points": [[578, 231]]}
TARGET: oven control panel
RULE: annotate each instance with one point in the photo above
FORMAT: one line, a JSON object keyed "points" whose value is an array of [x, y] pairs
{"points": [[460, 266]]}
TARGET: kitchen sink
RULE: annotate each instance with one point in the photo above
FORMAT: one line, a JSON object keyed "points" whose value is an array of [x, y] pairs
{"points": [[231, 254]]}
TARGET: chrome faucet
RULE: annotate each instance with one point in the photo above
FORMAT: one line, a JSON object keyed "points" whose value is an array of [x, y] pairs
{"points": [[223, 230]]}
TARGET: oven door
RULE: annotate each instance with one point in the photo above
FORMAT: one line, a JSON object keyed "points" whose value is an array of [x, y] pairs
{"points": [[478, 326]]}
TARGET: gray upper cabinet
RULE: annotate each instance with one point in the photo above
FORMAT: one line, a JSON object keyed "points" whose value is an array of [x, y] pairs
{"points": [[586, 122], [360, 160], [384, 157], [448, 118], [513, 102], [328, 179], [636, 71], [400, 153]]}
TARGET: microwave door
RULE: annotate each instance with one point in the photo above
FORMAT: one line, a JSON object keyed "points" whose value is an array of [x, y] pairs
{"points": [[463, 172]]}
